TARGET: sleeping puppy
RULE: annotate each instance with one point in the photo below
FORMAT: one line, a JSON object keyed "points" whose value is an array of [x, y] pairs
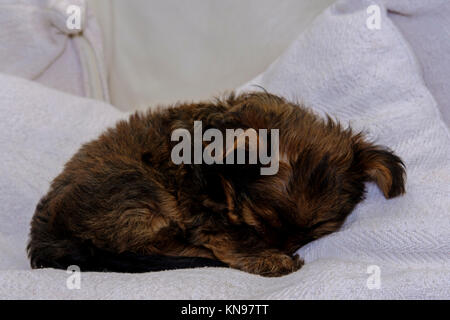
{"points": [[122, 204]]}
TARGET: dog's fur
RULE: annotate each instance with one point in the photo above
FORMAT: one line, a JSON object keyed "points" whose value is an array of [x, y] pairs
{"points": [[121, 204]]}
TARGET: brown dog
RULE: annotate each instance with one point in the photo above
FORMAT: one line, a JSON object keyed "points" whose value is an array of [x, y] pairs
{"points": [[122, 204]]}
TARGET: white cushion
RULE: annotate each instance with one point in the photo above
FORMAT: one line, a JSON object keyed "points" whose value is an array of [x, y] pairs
{"points": [[162, 51], [426, 27], [37, 44]]}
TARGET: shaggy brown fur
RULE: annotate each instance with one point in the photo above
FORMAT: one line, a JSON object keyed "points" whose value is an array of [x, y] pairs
{"points": [[121, 204]]}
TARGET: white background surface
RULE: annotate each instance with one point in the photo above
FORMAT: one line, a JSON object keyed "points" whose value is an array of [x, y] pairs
{"points": [[161, 51]]}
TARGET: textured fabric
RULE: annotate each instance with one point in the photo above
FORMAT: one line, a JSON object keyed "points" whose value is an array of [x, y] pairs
{"points": [[426, 26], [36, 44], [39, 131], [368, 78]]}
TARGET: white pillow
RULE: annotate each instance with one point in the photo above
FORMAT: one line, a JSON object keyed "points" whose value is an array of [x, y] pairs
{"points": [[37, 44], [426, 26]]}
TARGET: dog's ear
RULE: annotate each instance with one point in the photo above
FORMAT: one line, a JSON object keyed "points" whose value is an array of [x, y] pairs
{"points": [[382, 166]]}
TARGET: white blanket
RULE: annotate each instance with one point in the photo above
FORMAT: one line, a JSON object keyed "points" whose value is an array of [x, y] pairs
{"points": [[368, 78]]}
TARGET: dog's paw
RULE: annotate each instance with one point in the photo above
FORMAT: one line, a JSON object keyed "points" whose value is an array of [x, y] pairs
{"points": [[273, 264]]}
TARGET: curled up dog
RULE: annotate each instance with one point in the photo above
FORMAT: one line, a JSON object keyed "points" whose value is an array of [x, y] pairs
{"points": [[123, 204]]}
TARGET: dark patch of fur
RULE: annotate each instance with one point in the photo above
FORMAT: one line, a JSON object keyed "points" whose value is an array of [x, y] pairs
{"points": [[122, 205]]}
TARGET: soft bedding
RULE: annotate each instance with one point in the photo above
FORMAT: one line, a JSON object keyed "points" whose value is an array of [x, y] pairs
{"points": [[368, 78]]}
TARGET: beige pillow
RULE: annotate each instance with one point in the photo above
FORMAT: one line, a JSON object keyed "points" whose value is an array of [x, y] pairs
{"points": [[36, 43], [162, 51]]}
